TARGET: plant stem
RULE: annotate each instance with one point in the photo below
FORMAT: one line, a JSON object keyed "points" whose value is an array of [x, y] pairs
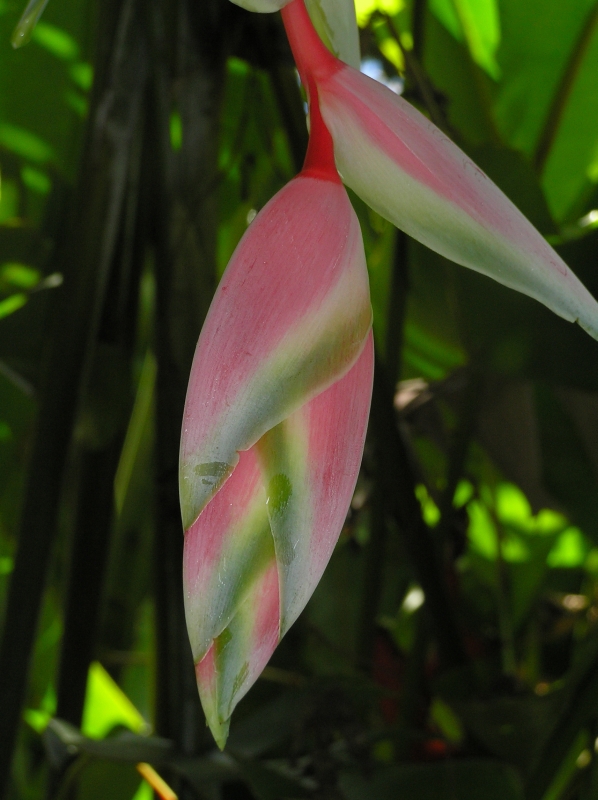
{"points": [[312, 58], [184, 227], [310, 54]]}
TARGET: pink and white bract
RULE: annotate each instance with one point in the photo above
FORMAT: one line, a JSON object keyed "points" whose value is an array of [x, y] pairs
{"points": [[410, 172], [274, 427]]}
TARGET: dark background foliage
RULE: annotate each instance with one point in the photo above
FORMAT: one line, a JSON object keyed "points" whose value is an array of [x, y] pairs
{"points": [[451, 649]]}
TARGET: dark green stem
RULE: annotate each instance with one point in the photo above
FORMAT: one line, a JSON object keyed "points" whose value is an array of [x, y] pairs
{"points": [[184, 228], [417, 28]]}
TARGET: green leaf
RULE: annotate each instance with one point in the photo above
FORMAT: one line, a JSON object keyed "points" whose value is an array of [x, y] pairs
{"points": [[107, 706], [19, 275], [533, 58], [12, 304], [571, 169], [25, 143], [56, 41], [478, 23]]}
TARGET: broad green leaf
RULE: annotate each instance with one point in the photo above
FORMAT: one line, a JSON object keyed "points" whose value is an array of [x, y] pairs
{"points": [[571, 170], [478, 23], [533, 58], [106, 706]]}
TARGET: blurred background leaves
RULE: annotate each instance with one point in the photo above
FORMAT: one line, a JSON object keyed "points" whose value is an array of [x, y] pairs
{"points": [[451, 649]]}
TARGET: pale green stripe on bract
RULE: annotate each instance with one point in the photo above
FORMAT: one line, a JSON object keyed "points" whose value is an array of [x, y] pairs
{"points": [[232, 654], [283, 453], [211, 604], [310, 357], [445, 227], [237, 661]]}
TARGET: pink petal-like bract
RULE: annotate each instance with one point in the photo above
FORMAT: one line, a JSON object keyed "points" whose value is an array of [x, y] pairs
{"points": [[289, 318], [256, 553], [274, 427], [410, 172]]}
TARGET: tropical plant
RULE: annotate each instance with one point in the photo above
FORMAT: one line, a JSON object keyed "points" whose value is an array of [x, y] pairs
{"points": [[450, 648]]}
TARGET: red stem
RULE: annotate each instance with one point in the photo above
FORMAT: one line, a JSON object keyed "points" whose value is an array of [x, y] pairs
{"points": [[314, 62], [311, 55]]}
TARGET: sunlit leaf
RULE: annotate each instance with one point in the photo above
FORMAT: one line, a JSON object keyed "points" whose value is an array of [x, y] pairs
{"points": [[365, 9], [106, 706], [478, 23], [25, 143], [430, 510], [570, 549], [56, 40], [19, 275], [12, 304], [144, 792]]}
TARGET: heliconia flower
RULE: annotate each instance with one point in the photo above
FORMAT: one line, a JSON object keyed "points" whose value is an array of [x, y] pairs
{"points": [[274, 426], [412, 174]]}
